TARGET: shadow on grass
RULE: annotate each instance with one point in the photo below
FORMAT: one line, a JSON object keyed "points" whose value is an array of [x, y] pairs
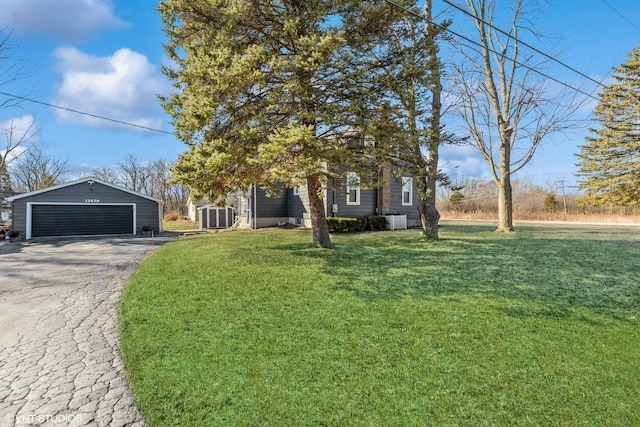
{"points": [[563, 268]]}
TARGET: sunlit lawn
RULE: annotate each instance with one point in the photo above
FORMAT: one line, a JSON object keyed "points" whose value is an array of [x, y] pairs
{"points": [[179, 225], [539, 327]]}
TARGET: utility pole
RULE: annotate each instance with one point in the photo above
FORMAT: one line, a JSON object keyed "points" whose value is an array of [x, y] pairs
{"points": [[564, 197]]}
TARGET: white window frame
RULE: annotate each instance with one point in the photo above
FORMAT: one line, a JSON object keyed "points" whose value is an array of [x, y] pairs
{"points": [[353, 178], [296, 190], [407, 180]]}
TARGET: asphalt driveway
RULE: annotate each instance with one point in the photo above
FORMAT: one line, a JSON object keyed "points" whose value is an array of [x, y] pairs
{"points": [[60, 362]]}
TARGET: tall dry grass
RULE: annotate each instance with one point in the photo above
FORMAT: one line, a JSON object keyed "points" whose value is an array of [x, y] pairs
{"points": [[534, 206]]}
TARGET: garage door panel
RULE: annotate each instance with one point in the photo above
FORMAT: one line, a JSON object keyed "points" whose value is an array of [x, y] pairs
{"points": [[66, 220]]}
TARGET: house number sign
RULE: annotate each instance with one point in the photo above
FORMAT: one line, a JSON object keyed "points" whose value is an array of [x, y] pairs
{"points": [[92, 200]]}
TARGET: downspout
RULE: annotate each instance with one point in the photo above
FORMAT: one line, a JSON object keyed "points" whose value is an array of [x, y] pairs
{"points": [[333, 195], [378, 192], [255, 207]]}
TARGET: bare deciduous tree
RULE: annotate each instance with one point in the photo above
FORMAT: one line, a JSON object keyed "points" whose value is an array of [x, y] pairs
{"points": [[174, 196], [134, 174], [106, 174], [507, 105], [12, 70], [151, 178], [15, 137], [34, 170]]}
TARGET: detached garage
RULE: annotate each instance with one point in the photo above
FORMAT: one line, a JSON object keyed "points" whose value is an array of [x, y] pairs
{"points": [[88, 206]]}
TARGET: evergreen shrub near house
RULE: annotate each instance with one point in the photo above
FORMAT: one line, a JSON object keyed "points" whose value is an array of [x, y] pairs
{"points": [[375, 222], [365, 223], [340, 224]]}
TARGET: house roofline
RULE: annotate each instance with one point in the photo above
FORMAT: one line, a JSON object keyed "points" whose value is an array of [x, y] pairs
{"points": [[79, 181]]}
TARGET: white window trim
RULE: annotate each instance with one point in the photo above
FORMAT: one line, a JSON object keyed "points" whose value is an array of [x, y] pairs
{"points": [[351, 178], [296, 190], [410, 180]]}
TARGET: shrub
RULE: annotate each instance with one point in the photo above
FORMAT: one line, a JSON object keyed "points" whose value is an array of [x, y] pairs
{"points": [[456, 200], [550, 203], [375, 222], [337, 224], [172, 216], [371, 222]]}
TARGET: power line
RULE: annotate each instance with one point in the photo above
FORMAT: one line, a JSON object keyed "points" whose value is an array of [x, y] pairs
{"points": [[590, 95], [85, 113], [521, 64], [623, 17], [466, 12]]}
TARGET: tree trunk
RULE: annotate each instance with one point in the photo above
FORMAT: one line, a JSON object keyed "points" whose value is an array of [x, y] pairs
{"points": [[431, 215], [319, 227], [505, 199], [505, 205], [430, 229]]}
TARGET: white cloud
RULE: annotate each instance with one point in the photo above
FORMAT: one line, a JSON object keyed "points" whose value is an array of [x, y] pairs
{"points": [[122, 87], [69, 20], [463, 161]]}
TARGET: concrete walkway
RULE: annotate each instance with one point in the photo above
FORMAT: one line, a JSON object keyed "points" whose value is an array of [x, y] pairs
{"points": [[60, 361]]}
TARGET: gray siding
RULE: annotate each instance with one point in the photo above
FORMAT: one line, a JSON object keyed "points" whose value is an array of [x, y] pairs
{"points": [[367, 206], [270, 207], [298, 205], [147, 213], [368, 202], [396, 206]]}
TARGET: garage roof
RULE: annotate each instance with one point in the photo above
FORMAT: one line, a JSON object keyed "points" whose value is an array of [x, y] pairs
{"points": [[79, 181]]}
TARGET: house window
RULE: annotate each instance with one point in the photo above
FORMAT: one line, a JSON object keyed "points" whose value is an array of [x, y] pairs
{"points": [[353, 189], [296, 190], [407, 191]]}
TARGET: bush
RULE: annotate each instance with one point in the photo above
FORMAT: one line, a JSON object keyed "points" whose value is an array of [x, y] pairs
{"points": [[456, 200], [550, 203], [371, 222], [172, 216], [375, 222]]}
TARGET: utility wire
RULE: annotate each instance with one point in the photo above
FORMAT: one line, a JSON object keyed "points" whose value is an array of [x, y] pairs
{"points": [[623, 17], [85, 114], [417, 15], [521, 64], [466, 12]]}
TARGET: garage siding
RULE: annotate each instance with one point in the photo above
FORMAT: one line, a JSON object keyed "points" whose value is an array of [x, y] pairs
{"points": [[83, 193]]}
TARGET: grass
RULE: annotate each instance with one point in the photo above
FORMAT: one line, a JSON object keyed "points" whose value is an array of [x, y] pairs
{"points": [[539, 327], [180, 225]]}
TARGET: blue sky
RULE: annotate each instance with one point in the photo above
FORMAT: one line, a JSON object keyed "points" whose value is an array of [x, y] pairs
{"points": [[104, 57]]}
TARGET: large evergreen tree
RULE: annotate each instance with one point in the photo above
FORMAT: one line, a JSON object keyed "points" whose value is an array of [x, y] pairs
{"points": [[609, 165], [410, 87], [264, 89]]}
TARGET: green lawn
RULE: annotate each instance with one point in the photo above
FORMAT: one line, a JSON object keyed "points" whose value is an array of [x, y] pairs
{"points": [[538, 327], [180, 225]]}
